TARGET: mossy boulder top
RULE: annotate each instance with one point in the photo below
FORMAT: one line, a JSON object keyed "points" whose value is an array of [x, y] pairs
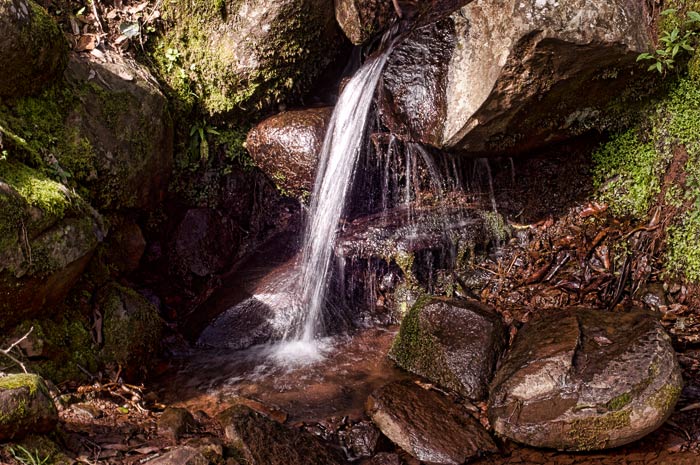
{"points": [[244, 56], [583, 379], [25, 406], [32, 48]]}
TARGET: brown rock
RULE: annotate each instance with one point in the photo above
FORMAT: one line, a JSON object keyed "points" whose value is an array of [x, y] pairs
{"points": [[428, 425], [25, 407], [360, 20], [183, 455], [583, 379], [175, 422], [286, 147]]}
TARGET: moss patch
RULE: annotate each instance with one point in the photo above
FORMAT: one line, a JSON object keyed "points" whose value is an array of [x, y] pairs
{"points": [[32, 382], [36, 188], [592, 433]]}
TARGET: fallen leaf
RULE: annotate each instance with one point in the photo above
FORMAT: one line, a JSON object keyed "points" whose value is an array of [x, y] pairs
{"points": [[86, 43]]}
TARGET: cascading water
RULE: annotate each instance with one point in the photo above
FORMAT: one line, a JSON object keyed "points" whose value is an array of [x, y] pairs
{"points": [[338, 159]]}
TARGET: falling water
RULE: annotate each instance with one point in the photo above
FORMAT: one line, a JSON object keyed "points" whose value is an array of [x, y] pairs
{"points": [[338, 158]]}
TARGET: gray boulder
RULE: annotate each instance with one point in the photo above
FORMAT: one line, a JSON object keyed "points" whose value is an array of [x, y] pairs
{"points": [[453, 343], [286, 147], [585, 379], [506, 76], [428, 425], [25, 407], [33, 50]]}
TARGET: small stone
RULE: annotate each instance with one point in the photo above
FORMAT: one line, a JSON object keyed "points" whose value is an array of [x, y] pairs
{"points": [[360, 440], [87, 410], [25, 407], [428, 425], [174, 422], [183, 455]]}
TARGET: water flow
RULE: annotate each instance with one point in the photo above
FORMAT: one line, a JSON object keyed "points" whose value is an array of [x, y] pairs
{"points": [[338, 159]]}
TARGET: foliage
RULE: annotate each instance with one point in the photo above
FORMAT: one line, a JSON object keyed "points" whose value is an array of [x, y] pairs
{"points": [[673, 42], [21, 454], [199, 145]]}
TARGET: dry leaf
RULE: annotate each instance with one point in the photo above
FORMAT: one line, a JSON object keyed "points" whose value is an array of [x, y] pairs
{"points": [[86, 43]]}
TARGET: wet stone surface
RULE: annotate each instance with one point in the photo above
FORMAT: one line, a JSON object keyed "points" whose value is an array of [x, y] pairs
{"points": [[428, 425], [585, 379]]}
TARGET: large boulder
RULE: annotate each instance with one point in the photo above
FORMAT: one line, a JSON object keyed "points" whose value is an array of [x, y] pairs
{"points": [[33, 49], [286, 147], [25, 407], [244, 56], [506, 76], [47, 236], [453, 343], [362, 19], [262, 441], [428, 425], [585, 379]]}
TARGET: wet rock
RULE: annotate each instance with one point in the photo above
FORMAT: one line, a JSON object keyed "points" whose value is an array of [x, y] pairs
{"points": [[131, 328], [125, 244], [242, 57], [385, 458], [427, 424], [174, 422], [262, 441], [286, 147], [477, 84], [204, 243], [122, 133], [453, 343], [47, 236], [585, 379], [25, 407], [182, 455], [362, 19], [360, 440], [33, 49]]}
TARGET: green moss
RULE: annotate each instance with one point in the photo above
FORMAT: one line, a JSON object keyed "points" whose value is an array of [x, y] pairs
{"points": [[496, 226], [592, 433], [33, 382], [36, 188], [412, 346], [665, 399], [619, 402]]}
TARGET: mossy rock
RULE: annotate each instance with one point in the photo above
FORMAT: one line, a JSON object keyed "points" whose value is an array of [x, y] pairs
{"points": [[48, 235], [25, 406], [33, 49], [238, 57], [131, 329], [453, 343], [583, 379]]}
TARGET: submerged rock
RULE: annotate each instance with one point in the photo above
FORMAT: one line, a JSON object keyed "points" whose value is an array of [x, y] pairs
{"points": [[33, 49], [428, 425], [262, 441], [25, 407], [507, 76], [453, 343], [242, 57], [286, 147], [585, 379]]}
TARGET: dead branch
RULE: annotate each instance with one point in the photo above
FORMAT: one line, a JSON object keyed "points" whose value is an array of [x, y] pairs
{"points": [[6, 352]]}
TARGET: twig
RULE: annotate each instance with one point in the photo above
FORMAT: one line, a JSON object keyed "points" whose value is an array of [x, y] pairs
{"points": [[397, 7], [6, 352], [93, 3]]}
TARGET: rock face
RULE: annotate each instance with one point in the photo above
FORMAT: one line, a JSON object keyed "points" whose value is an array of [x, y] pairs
{"points": [[47, 235], [455, 344], [474, 83], [286, 147], [362, 19], [246, 56], [122, 125], [131, 329], [262, 441], [428, 425], [32, 48], [25, 407], [585, 379]]}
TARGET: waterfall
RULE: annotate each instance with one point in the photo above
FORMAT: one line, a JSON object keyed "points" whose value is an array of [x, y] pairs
{"points": [[338, 159]]}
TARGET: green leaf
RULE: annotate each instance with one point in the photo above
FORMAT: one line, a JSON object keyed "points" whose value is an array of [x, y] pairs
{"points": [[123, 410], [676, 48], [644, 56], [694, 16], [687, 47], [80, 12], [668, 11]]}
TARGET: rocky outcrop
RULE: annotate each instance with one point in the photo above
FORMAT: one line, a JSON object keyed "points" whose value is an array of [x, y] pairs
{"points": [[362, 19], [241, 57], [131, 328], [286, 147], [453, 343], [262, 441], [47, 235], [584, 379], [428, 425], [32, 48], [25, 407], [477, 84]]}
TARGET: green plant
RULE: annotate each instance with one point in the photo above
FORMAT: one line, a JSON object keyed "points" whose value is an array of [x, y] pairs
{"points": [[199, 145], [22, 455], [674, 42], [172, 55]]}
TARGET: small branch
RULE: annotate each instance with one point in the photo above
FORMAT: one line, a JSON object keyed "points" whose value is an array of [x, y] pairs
{"points": [[6, 352], [399, 13]]}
